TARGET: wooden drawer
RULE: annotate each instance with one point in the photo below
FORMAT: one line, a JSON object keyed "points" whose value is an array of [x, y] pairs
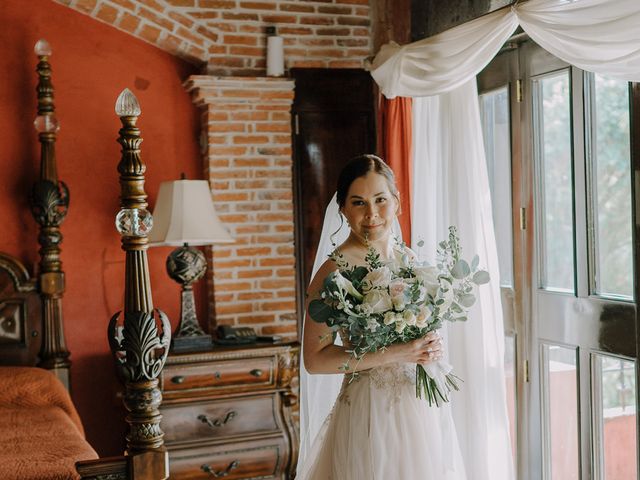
{"points": [[199, 421], [249, 460], [218, 377]]}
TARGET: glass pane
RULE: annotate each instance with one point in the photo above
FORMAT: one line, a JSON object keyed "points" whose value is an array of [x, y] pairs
{"points": [[611, 187], [615, 417], [510, 382], [560, 402], [494, 111], [552, 114]]}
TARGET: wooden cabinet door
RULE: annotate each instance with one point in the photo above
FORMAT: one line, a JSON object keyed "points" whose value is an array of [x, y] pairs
{"points": [[333, 121]]}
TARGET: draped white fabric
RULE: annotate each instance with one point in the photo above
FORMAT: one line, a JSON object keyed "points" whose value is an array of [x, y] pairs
{"points": [[450, 177], [443, 62], [600, 36], [456, 192]]}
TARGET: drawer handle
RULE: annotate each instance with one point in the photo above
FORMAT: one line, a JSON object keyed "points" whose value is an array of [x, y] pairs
{"points": [[256, 372], [220, 473], [177, 379], [217, 375], [218, 422]]}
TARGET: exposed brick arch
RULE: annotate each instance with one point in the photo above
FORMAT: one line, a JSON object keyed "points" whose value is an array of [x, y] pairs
{"points": [[229, 35]]}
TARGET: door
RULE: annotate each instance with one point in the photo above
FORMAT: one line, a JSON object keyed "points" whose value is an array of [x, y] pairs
{"points": [[333, 121], [573, 288]]}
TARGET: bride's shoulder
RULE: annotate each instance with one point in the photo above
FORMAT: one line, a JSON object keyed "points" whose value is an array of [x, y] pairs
{"points": [[330, 265]]}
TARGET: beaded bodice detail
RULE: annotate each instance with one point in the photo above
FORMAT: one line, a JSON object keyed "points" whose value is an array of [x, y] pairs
{"points": [[390, 380]]}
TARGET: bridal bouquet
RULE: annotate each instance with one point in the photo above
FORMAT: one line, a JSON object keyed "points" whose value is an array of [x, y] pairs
{"points": [[381, 304]]}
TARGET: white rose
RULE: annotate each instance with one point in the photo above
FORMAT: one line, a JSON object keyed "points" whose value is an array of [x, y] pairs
{"points": [[345, 285], [378, 300], [389, 318], [429, 277], [396, 290], [400, 324], [380, 277], [409, 317], [398, 303], [423, 318], [397, 287]]}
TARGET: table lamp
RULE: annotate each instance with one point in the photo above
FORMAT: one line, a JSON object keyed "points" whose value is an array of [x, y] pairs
{"points": [[184, 216]]}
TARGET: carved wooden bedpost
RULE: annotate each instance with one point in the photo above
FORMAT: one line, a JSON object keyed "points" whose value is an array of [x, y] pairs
{"points": [[139, 348], [49, 204]]}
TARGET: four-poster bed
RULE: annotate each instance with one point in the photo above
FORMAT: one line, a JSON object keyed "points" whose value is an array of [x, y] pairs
{"points": [[42, 433], [43, 437]]}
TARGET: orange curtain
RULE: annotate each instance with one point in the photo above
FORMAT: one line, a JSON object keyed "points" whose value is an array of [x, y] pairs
{"points": [[396, 147]]}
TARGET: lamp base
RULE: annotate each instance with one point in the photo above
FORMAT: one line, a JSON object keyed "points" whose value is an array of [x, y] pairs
{"points": [[187, 265], [194, 343]]}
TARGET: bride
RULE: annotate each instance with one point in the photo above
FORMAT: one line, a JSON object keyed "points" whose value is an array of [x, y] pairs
{"points": [[377, 429]]}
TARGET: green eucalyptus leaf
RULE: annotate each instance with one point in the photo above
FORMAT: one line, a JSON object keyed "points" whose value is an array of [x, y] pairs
{"points": [[358, 274], [475, 262], [319, 311], [460, 269], [467, 300], [456, 308], [481, 277]]}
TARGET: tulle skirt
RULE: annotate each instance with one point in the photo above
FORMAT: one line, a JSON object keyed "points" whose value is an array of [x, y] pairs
{"points": [[379, 430]]}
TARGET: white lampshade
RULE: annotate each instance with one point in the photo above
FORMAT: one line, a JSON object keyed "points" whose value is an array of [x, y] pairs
{"points": [[184, 213]]}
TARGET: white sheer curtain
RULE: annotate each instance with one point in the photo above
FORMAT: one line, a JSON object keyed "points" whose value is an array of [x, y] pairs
{"points": [[456, 192], [450, 174]]}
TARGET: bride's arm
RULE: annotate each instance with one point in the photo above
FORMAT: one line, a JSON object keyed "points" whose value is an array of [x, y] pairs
{"points": [[322, 356]]}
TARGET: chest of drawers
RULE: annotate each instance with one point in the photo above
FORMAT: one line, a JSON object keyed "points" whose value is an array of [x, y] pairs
{"points": [[226, 413]]}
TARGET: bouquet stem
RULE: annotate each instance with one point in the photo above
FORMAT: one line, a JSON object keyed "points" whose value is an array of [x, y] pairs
{"points": [[435, 391]]}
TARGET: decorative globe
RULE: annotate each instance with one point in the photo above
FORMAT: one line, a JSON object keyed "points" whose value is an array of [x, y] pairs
{"points": [[186, 265]]}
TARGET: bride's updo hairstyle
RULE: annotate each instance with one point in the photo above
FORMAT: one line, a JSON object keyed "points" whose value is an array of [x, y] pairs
{"points": [[358, 167]]}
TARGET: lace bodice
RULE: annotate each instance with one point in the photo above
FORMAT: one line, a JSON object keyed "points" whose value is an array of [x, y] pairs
{"points": [[390, 380]]}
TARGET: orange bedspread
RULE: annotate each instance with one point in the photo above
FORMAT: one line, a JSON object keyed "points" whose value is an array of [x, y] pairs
{"points": [[41, 436]]}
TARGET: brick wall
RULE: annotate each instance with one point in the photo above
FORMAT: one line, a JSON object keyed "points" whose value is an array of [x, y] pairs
{"points": [[247, 126], [229, 35]]}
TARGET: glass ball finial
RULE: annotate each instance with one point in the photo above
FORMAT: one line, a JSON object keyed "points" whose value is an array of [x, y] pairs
{"points": [[127, 104], [42, 48], [134, 222], [46, 124]]}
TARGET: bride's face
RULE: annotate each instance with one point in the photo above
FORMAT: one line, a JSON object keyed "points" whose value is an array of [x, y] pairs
{"points": [[370, 207]]}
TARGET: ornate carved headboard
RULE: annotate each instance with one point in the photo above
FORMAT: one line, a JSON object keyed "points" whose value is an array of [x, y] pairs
{"points": [[31, 323], [20, 314]]}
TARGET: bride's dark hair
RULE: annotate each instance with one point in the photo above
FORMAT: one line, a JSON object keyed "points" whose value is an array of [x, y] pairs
{"points": [[358, 167]]}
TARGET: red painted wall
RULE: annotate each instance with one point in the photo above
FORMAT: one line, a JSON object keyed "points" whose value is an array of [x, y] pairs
{"points": [[92, 63]]}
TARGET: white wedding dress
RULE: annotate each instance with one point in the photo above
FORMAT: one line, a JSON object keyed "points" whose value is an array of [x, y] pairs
{"points": [[379, 430]]}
